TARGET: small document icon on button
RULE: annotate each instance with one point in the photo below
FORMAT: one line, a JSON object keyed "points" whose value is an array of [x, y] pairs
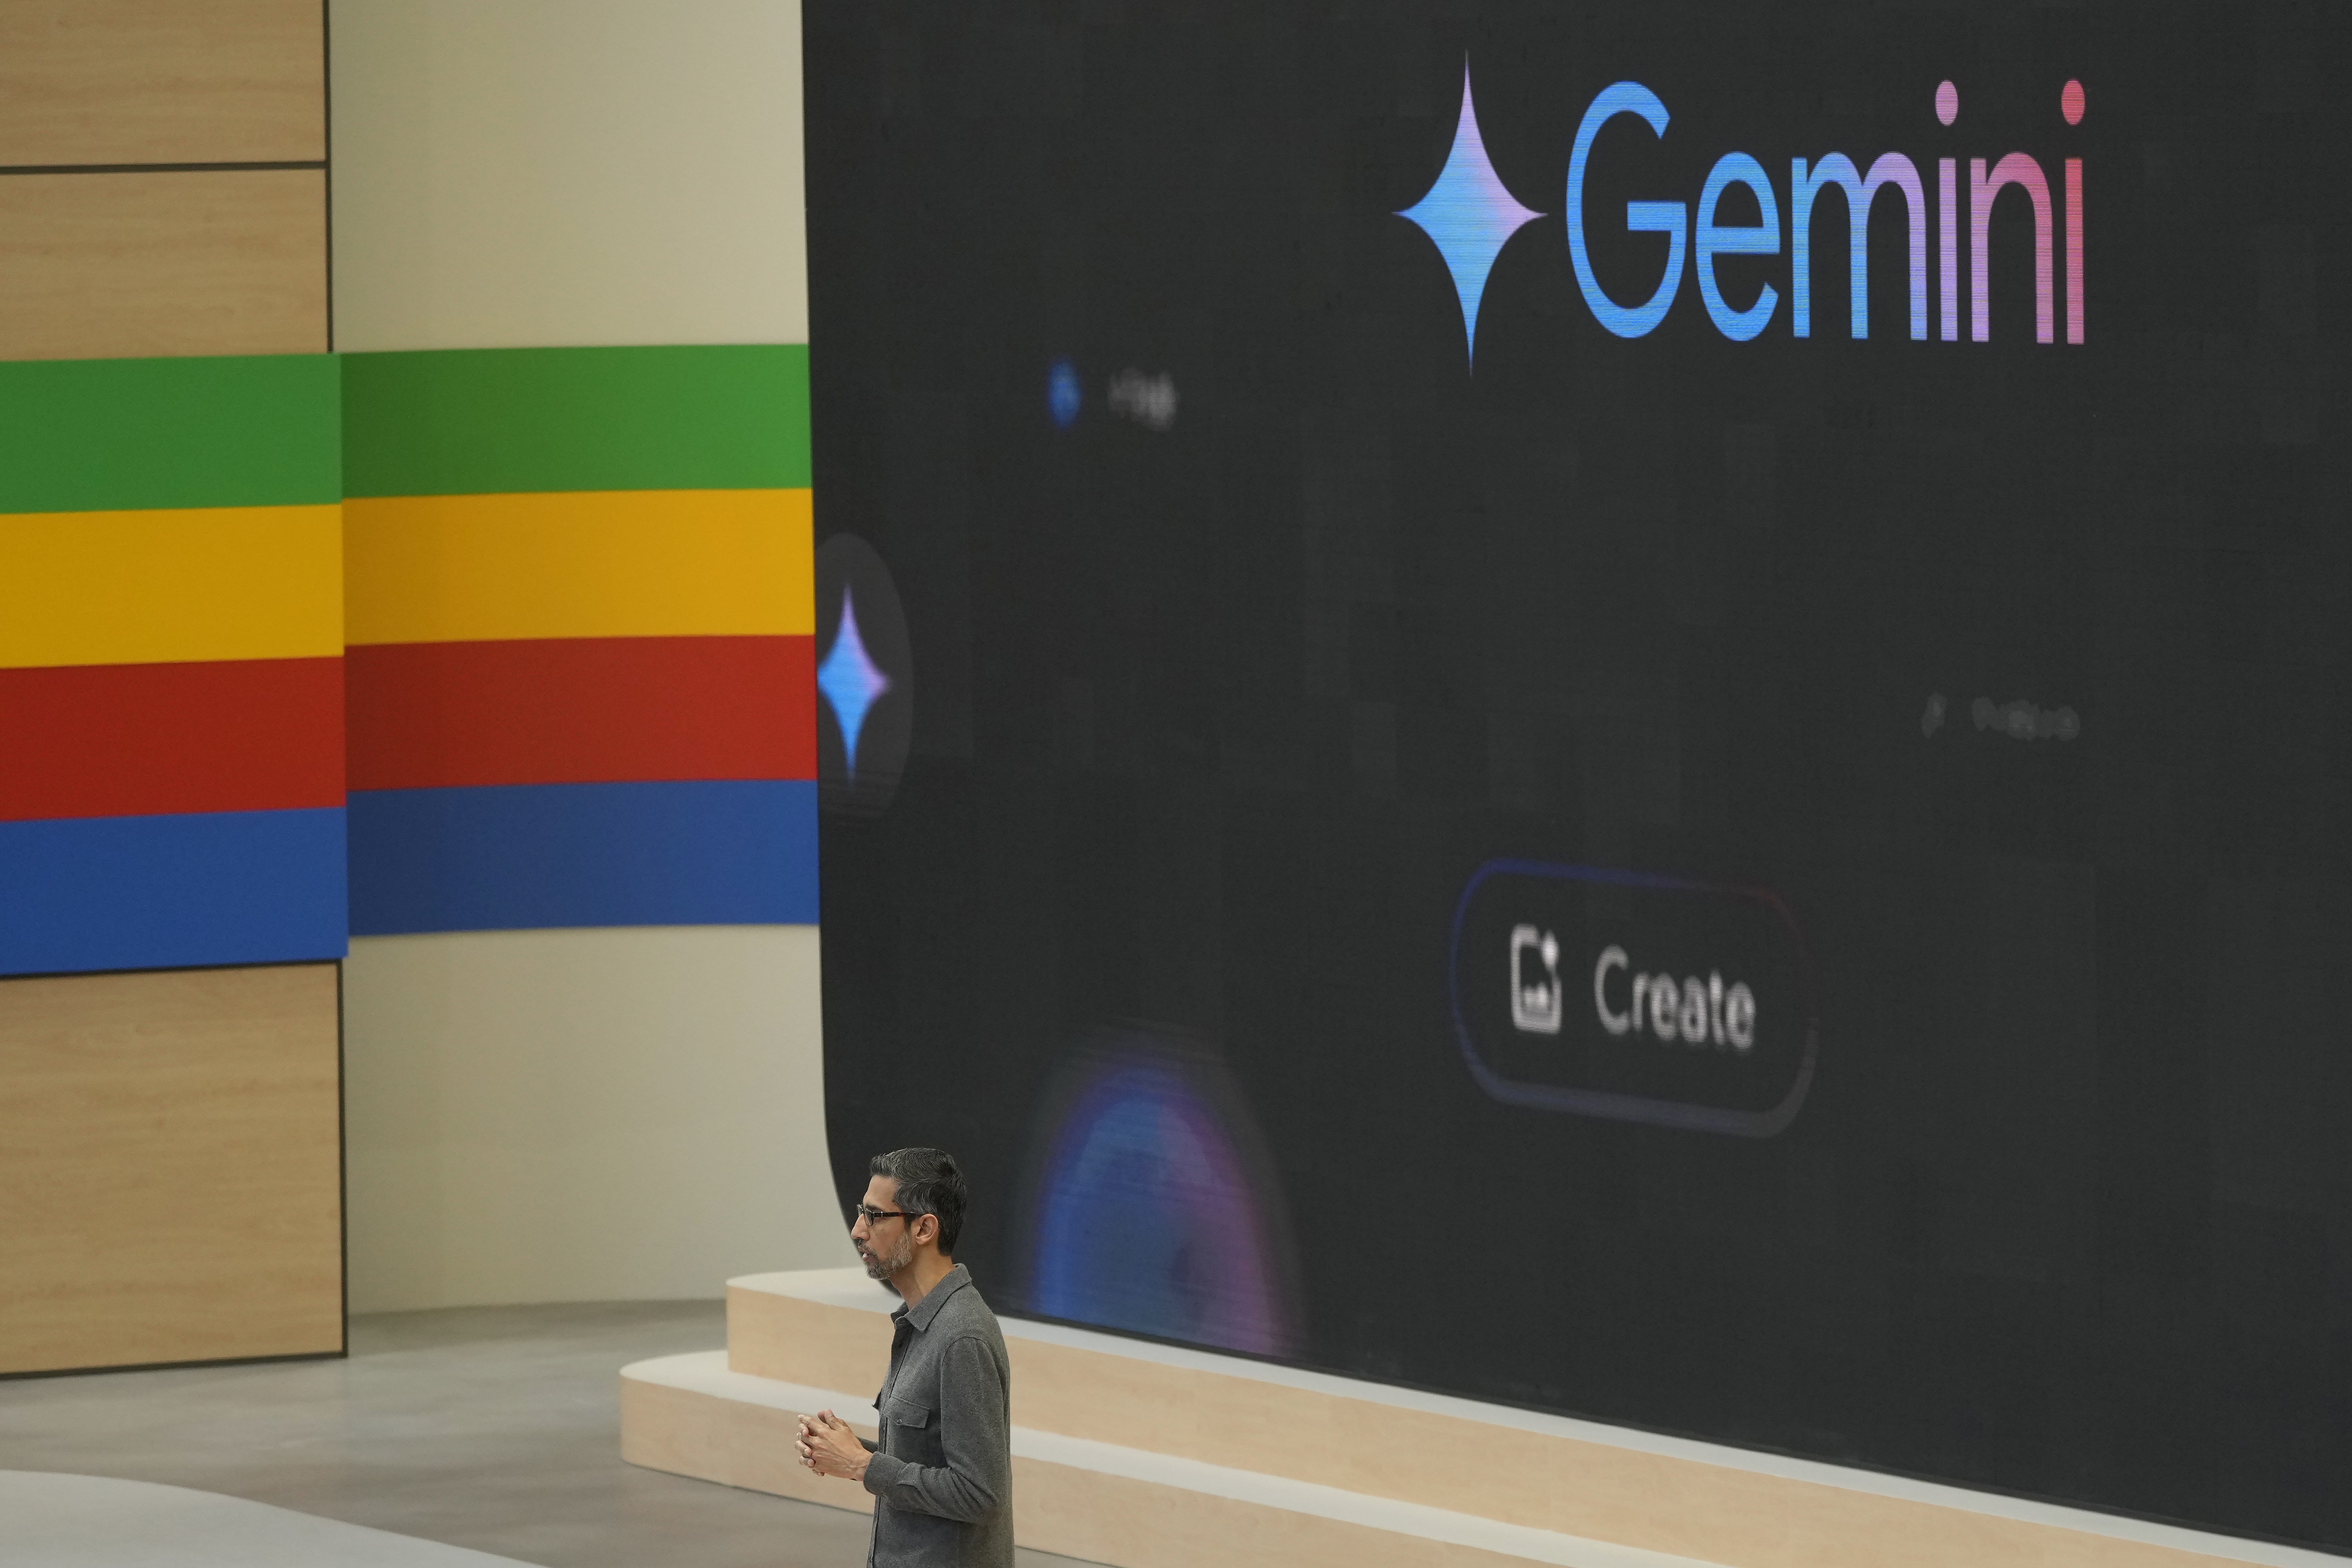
{"points": [[1534, 994]]}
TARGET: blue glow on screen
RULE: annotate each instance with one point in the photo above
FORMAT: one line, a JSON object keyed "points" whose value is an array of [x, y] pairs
{"points": [[1064, 393], [1148, 1217]]}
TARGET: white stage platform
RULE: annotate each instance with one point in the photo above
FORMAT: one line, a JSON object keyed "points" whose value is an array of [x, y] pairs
{"points": [[1146, 1455]]}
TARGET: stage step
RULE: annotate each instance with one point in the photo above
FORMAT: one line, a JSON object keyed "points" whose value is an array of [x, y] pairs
{"points": [[692, 1415], [1149, 1456]]}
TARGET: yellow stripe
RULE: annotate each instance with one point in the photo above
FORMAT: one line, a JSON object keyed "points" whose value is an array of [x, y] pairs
{"points": [[163, 587], [584, 564]]}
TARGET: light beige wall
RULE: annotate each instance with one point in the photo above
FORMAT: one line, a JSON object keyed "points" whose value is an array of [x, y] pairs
{"points": [[575, 1114], [545, 173], [582, 1115]]}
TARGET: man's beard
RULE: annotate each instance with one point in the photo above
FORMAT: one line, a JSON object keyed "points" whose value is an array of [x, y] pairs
{"points": [[886, 1267]]}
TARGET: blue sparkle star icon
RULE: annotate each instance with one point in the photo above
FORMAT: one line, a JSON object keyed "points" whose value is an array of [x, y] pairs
{"points": [[1469, 214], [850, 680]]}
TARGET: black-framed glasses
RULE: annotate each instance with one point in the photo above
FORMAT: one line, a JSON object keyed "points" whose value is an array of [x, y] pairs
{"points": [[872, 1216]]}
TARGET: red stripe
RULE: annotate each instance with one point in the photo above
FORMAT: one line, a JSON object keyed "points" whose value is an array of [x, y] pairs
{"points": [[136, 739], [582, 710]]}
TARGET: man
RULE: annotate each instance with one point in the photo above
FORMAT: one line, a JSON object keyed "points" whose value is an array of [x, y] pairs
{"points": [[941, 1476]]}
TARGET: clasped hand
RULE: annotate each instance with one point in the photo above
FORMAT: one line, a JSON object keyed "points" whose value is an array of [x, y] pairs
{"points": [[829, 1448]]}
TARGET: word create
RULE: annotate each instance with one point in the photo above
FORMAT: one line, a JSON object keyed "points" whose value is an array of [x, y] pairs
{"points": [[1693, 1011]]}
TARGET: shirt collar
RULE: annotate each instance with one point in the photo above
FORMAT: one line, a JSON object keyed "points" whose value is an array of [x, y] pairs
{"points": [[921, 1313]]}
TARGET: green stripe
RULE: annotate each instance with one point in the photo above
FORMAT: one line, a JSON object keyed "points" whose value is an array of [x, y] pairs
{"points": [[496, 421], [124, 434]]}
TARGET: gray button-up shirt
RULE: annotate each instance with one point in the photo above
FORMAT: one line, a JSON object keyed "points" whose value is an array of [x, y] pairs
{"points": [[941, 1474]]}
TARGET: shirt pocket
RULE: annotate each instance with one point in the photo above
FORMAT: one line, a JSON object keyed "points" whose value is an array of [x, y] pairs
{"points": [[912, 1431]]}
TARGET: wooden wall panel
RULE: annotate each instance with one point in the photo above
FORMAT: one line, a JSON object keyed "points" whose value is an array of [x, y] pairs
{"points": [[170, 1167], [108, 266], [171, 1159], [161, 81]]}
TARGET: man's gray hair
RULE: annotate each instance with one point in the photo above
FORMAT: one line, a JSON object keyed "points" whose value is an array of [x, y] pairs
{"points": [[930, 1182]]}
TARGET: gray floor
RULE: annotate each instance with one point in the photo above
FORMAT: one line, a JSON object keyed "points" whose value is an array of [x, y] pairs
{"points": [[495, 1428], [53, 1521]]}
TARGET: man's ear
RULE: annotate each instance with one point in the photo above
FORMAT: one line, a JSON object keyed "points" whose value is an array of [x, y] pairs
{"points": [[923, 1229]]}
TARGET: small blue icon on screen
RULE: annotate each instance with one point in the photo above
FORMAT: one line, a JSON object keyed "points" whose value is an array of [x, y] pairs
{"points": [[864, 680], [850, 680], [1063, 392]]}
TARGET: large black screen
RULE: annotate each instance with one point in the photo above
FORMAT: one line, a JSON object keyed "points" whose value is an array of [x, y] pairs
{"points": [[1451, 758]]}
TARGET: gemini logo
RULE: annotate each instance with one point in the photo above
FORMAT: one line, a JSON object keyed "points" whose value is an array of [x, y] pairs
{"points": [[1471, 215], [865, 679]]}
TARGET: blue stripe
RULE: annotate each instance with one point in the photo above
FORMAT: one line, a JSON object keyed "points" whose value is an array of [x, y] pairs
{"points": [[518, 856], [162, 892]]}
